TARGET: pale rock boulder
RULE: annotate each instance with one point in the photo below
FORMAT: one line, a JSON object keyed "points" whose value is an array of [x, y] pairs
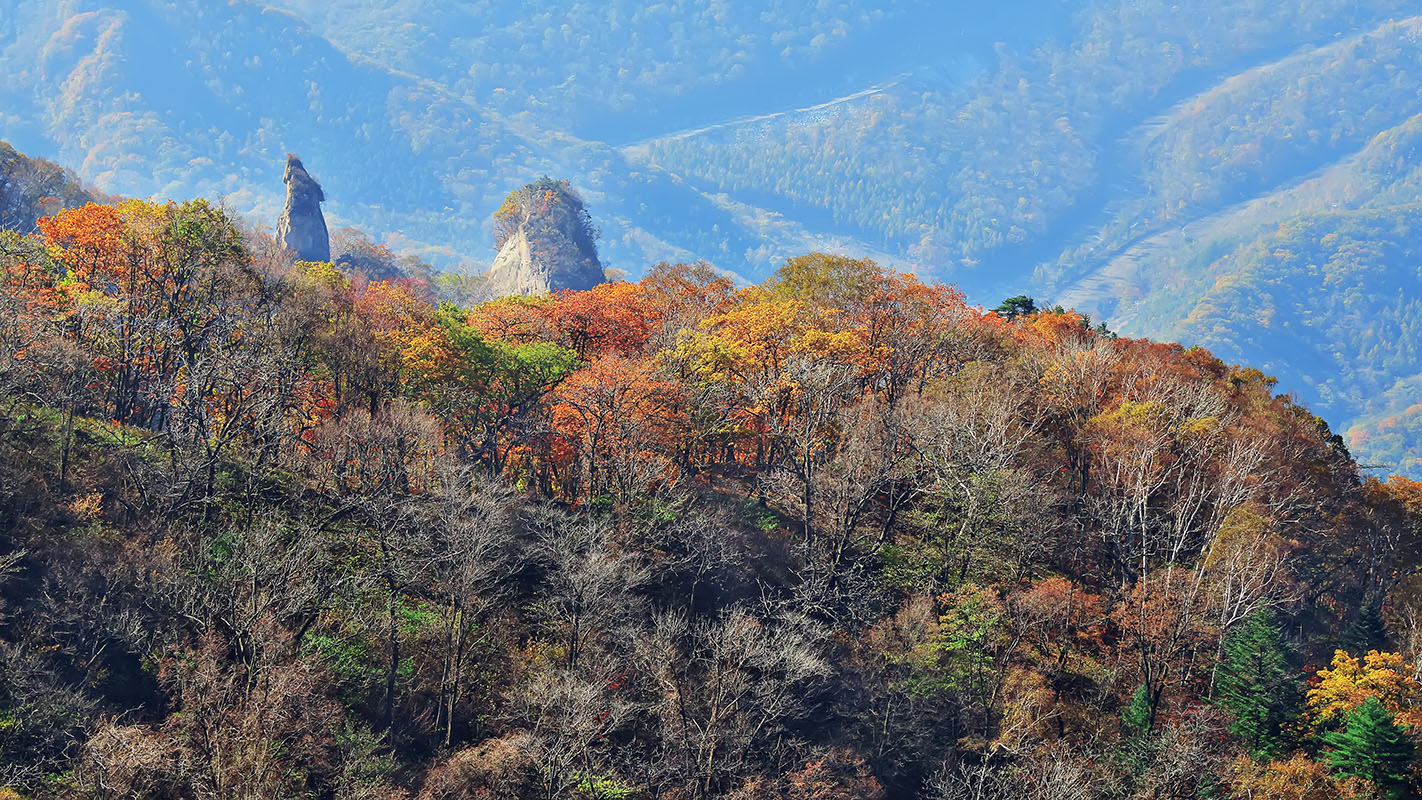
{"points": [[517, 270]]}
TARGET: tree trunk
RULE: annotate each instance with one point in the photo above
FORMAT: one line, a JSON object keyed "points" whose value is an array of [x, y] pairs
{"points": [[68, 435], [394, 634]]}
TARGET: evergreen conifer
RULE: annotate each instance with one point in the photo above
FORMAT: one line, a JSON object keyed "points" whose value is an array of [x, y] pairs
{"points": [[1136, 715], [1366, 631], [1373, 746], [1257, 684]]}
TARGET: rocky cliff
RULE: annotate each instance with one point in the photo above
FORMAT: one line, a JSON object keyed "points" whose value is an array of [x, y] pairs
{"points": [[301, 226], [546, 242]]}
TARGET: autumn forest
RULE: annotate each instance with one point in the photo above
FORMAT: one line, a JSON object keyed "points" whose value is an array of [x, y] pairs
{"points": [[272, 530]]}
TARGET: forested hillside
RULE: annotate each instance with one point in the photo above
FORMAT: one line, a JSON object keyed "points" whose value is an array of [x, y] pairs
{"points": [[32, 188], [282, 531]]}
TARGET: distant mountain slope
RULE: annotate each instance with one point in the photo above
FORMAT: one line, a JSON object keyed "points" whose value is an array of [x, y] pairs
{"points": [[179, 100], [1323, 276], [1048, 144], [950, 151], [419, 116], [1256, 133], [173, 100]]}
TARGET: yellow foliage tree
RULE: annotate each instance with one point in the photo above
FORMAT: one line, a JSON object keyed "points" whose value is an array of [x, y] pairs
{"points": [[1298, 778], [1349, 682]]}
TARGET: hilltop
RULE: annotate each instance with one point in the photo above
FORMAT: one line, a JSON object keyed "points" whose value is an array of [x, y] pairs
{"points": [[31, 188]]}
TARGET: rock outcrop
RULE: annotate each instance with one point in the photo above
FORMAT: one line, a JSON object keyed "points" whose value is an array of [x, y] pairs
{"points": [[301, 227], [546, 242]]}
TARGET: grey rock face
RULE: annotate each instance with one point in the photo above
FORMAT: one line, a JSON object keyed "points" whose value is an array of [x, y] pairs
{"points": [[513, 271], [521, 268], [301, 227]]}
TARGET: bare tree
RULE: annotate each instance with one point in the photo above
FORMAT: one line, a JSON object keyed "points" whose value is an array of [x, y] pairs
{"points": [[1074, 379], [278, 571], [369, 465], [241, 738], [568, 720], [587, 591], [977, 443], [1170, 467], [127, 762], [1244, 570], [1047, 773], [464, 535], [726, 688], [703, 553]]}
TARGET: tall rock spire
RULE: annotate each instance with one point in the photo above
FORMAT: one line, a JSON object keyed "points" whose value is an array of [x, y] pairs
{"points": [[301, 228]]}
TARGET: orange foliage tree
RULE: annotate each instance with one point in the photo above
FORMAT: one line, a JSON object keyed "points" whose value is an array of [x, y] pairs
{"points": [[616, 416]]}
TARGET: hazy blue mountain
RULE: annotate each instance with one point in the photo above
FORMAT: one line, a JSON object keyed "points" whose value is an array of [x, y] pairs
{"points": [[420, 116], [1175, 168]]}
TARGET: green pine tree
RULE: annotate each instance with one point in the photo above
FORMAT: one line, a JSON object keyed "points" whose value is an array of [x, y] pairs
{"points": [[1373, 746], [1256, 683], [1136, 715], [1366, 632], [1014, 307]]}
